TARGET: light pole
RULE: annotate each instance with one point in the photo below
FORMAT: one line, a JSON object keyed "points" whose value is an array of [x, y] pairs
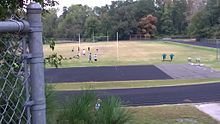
{"points": [[117, 48], [79, 40]]}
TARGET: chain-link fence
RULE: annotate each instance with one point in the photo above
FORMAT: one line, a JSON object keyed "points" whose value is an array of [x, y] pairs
{"points": [[14, 75], [215, 43], [22, 92]]}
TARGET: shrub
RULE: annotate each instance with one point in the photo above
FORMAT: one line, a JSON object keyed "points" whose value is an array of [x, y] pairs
{"points": [[112, 112], [50, 104], [81, 110]]}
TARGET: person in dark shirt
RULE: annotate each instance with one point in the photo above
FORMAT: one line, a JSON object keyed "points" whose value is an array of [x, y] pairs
{"points": [[90, 57]]}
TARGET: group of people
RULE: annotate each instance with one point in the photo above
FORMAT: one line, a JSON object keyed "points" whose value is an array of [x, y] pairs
{"points": [[90, 59]]}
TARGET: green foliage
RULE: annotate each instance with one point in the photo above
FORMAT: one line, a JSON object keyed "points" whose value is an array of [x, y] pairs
{"points": [[167, 27], [54, 60], [112, 112], [81, 110], [179, 15], [120, 16], [122, 19], [50, 104], [14, 8], [197, 28], [216, 31], [206, 22], [143, 8], [50, 21], [73, 22], [93, 25], [175, 17], [9, 7]]}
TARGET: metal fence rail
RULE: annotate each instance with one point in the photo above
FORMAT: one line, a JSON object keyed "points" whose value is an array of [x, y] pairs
{"points": [[22, 95]]}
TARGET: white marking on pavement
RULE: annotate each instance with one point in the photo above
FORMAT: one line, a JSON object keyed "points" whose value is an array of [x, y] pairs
{"points": [[212, 109]]}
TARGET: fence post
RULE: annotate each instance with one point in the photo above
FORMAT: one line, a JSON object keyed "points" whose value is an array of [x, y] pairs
{"points": [[38, 109]]}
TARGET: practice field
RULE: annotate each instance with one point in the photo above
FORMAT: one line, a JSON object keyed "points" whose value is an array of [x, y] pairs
{"points": [[132, 53]]}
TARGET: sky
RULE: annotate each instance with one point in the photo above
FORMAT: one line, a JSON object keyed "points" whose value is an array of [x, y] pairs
{"points": [[90, 3]]}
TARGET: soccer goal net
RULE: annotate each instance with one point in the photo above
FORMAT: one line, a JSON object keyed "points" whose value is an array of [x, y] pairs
{"points": [[139, 37], [100, 38]]}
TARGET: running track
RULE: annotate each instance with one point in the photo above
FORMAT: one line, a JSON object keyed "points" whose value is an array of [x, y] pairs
{"points": [[105, 73], [157, 96]]}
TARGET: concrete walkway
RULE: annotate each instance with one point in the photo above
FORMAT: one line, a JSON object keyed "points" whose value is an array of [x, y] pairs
{"points": [[212, 109], [187, 71]]}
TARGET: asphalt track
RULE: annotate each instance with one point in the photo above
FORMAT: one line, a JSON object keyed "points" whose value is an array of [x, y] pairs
{"points": [[157, 96], [105, 73]]}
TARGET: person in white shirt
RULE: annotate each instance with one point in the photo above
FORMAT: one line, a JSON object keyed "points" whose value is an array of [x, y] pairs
{"points": [[84, 52], [95, 57]]}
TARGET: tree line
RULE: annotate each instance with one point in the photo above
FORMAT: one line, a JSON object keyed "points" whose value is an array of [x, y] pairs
{"points": [[153, 18], [192, 18]]}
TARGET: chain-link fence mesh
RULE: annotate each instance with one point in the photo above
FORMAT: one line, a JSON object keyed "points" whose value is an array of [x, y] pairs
{"points": [[14, 75]]}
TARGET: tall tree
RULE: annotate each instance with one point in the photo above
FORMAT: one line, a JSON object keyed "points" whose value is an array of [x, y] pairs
{"points": [[179, 15], [50, 23], [194, 6], [123, 19], [147, 25], [144, 7], [92, 25], [104, 20], [73, 23], [206, 23], [167, 26]]}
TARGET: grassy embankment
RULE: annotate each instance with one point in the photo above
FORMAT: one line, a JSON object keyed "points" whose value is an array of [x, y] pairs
{"points": [[170, 114], [129, 84]]}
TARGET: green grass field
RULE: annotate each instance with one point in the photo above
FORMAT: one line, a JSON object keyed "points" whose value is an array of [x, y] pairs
{"points": [[128, 84], [170, 114], [133, 53]]}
